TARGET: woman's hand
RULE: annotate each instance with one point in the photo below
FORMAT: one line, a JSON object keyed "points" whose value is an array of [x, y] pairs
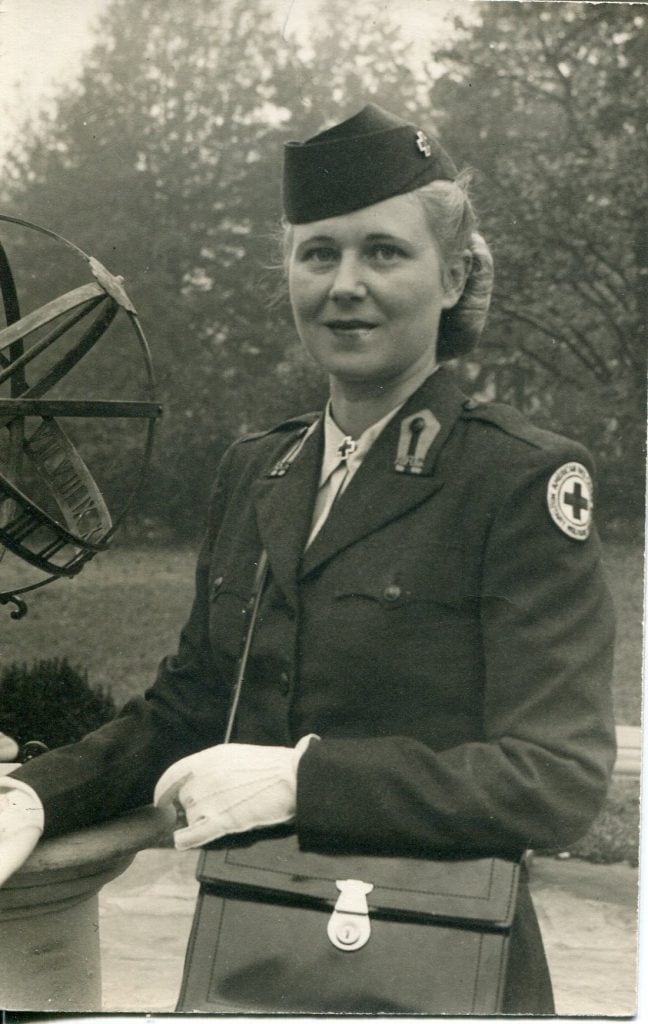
{"points": [[231, 788], [21, 825]]}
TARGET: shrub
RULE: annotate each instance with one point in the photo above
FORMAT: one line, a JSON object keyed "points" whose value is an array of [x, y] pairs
{"points": [[614, 835], [51, 701]]}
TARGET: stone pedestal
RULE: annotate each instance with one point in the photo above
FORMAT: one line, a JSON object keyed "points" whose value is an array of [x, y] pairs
{"points": [[49, 916]]}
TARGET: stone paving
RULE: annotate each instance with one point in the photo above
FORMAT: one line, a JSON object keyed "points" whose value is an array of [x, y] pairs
{"points": [[588, 917], [587, 914]]}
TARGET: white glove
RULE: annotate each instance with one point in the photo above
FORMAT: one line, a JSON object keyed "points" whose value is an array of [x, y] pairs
{"points": [[8, 748], [231, 788], [21, 824]]}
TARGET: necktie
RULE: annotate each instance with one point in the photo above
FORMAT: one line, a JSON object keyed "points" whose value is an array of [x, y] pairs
{"points": [[332, 486]]}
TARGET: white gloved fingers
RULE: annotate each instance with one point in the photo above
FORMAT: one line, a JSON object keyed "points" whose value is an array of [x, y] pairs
{"points": [[171, 781], [211, 816], [222, 766], [231, 788], [247, 807], [202, 829], [20, 807], [204, 763], [21, 825], [15, 850], [204, 824], [8, 748]]}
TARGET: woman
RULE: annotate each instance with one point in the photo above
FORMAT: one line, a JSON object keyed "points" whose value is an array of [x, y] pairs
{"points": [[430, 668]]}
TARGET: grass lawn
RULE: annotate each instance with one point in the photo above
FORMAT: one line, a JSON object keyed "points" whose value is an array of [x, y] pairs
{"points": [[116, 619]]}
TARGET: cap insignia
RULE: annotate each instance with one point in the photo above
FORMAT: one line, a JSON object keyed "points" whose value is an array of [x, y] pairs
{"points": [[423, 144], [570, 500]]}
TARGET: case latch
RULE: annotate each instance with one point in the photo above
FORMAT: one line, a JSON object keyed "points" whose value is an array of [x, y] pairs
{"points": [[349, 927]]}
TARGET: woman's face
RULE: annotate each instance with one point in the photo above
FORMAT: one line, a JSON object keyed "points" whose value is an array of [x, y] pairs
{"points": [[367, 290]]}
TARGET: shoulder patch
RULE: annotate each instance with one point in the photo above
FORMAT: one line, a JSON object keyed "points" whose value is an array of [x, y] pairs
{"points": [[570, 500], [286, 426], [511, 422]]}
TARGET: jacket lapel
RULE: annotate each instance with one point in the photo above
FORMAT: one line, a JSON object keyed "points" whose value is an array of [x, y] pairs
{"points": [[284, 506], [379, 492]]}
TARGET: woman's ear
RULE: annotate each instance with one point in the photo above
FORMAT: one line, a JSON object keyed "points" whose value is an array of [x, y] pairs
{"points": [[455, 275]]}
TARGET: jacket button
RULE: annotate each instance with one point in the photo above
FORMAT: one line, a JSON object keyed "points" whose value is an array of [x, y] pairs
{"points": [[216, 585], [284, 683], [392, 592]]}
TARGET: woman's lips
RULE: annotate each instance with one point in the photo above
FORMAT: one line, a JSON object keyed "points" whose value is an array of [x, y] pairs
{"points": [[350, 326]]}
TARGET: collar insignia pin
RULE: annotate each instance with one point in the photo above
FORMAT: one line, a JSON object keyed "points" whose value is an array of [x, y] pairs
{"points": [[346, 447], [282, 466], [417, 433]]}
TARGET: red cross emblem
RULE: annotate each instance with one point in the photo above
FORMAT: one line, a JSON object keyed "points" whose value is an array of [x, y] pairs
{"points": [[569, 500]]}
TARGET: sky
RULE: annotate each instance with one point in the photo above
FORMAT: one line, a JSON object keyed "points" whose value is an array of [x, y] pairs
{"points": [[42, 43]]}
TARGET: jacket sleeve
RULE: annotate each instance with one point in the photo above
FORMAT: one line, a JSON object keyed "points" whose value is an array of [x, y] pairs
{"points": [[116, 767], [538, 777]]}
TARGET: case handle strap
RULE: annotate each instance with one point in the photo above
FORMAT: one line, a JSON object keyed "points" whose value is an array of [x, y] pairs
{"points": [[252, 611], [348, 927]]}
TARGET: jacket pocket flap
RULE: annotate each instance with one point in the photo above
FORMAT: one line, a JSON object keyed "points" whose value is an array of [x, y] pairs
{"points": [[403, 582]]}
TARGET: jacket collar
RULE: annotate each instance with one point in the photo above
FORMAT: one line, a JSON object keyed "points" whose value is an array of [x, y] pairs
{"points": [[284, 506], [396, 475]]}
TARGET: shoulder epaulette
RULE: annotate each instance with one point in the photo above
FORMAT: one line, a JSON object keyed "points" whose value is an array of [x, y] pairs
{"points": [[511, 422], [286, 426]]}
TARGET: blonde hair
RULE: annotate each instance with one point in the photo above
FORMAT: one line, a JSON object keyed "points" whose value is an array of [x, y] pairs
{"points": [[452, 220]]}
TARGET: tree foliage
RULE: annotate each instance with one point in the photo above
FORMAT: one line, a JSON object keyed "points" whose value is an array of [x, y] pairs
{"points": [[164, 161], [548, 101]]}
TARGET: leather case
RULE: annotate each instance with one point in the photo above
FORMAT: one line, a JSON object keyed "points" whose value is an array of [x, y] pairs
{"points": [[281, 930]]}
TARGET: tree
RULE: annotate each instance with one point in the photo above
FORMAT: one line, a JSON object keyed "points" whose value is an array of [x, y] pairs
{"points": [[548, 101], [165, 163]]}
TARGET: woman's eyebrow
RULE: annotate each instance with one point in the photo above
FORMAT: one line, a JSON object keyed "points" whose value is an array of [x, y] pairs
{"points": [[372, 236], [316, 238], [379, 236]]}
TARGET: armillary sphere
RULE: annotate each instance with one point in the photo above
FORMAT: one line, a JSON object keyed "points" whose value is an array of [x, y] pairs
{"points": [[53, 515]]}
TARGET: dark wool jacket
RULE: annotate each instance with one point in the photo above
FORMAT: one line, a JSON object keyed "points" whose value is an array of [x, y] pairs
{"points": [[448, 642]]}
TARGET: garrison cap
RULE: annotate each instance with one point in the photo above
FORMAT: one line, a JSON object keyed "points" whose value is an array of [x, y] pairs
{"points": [[372, 156]]}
